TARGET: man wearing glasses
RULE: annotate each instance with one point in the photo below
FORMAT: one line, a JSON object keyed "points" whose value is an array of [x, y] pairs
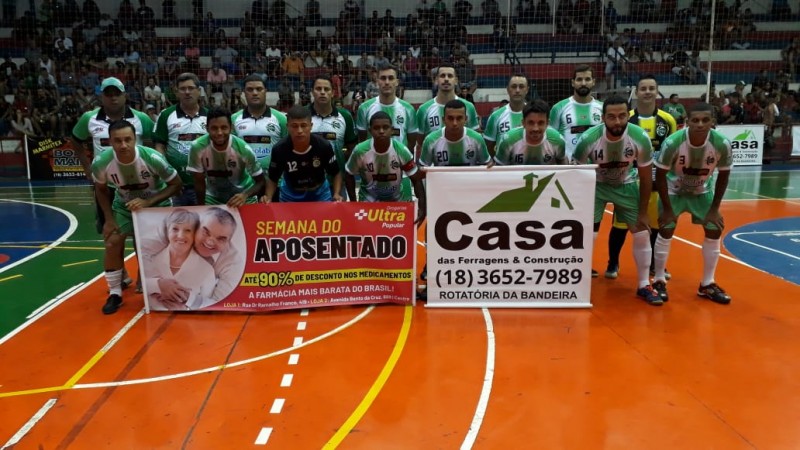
{"points": [[176, 128]]}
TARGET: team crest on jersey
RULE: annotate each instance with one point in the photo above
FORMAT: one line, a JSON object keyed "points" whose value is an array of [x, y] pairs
{"points": [[241, 127], [628, 152], [145, 174], [96, 130], [596, 116], [231, 163], [395, 165], [337, 125], [470, 153], [399, 120], [548, 157], [710, 160], [661, 130], [272, 128], [316, 162]]}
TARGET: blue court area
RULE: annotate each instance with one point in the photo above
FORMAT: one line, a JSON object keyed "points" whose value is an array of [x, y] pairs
{"points": [[772, 246], [25, 227]]}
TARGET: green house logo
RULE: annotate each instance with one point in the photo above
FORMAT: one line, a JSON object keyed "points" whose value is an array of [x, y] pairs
{"points": [[523, 198], [746, 135]]}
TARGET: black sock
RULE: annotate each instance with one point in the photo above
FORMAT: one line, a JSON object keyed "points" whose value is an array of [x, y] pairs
{"points": [[653, 237], [616, 239]]}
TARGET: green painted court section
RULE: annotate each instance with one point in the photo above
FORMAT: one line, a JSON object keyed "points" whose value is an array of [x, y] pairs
{"points": [[30, 285]]}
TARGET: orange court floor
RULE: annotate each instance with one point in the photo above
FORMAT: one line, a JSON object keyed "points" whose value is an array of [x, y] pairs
{"points": [[620, 375]]}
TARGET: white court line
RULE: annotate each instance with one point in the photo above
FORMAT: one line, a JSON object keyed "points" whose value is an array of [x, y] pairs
{"points": [[736, 236], [301, 326], [73, 225], [263, 436], [294, 359], [243, 362], [55, 300], [277, 406], [488, 378], [33, 319], [29, 424], [297, 341], [286, 381], [303, 312], [771, 198]]}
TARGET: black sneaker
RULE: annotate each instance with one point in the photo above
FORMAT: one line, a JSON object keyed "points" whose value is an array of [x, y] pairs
{"points": [[714, 293], [649, 295], [423, 295], [595, 274], [661, 288], [424, 274], [113, 303], [139, 286], [612, 271]]}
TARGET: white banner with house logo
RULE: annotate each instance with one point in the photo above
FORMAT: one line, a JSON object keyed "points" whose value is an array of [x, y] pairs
{"points": [[747, 143], [510, 236]]}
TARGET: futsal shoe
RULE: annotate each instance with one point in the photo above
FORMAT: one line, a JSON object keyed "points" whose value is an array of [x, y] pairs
{"points": [[649, 295], [139, 286], [667, 275], [661, 288], [612, 271], [422, 295], [595, 274], [113, 303], [714, 293]]}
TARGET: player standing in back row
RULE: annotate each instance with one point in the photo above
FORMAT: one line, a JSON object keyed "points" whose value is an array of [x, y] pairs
{"points": [[576, 114]]}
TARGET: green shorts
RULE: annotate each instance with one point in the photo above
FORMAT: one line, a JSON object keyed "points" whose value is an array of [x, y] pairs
{"points": [[124, 220], [697, 205], [625, 199]]}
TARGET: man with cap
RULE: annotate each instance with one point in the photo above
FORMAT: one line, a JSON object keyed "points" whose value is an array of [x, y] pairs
{"points": [[90, 135], [176, 128]]}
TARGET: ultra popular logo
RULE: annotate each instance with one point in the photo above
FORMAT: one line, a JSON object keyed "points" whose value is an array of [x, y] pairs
{"points": [[526, 235], [387, 217]]}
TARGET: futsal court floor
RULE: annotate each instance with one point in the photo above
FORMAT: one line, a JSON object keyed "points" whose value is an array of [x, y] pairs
{"points": [[620, 375]]}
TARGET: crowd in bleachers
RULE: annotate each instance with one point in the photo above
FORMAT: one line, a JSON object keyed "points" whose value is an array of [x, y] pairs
{"points": [[67, 48]]}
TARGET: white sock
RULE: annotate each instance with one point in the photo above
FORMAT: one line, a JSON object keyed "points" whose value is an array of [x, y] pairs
{"points": [[710, 259], [114, 280], [642, 253], [661, 250]]}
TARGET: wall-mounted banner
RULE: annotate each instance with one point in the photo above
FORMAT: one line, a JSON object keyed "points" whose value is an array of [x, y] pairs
{"points": [[53, 159], [516, 236], [278, 256], [796, 140], [747, 143]]}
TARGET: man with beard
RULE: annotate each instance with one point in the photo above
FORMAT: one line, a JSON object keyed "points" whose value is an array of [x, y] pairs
{"points": [[430, 115], [658, 124], [223, 166], [576, 114], [534, 143], [623, 153], [507, 117]]}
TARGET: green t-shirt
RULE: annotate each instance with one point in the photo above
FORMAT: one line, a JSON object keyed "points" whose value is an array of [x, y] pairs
{"points": [[227, 172], [381, 173], [513, 149], [691, 169], [615, 159]]}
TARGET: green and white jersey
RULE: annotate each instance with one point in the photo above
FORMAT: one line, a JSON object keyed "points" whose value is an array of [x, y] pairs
{"points": [[676, 110], [513, 149], [571, 119], [381, 173], [470, 150], [402, 113], [143, 178], [615, 158], [430, 116], [501, 122], [261, 133], [228, 172], [690, 168], [337, 128], [94, 125], [176, 130]]}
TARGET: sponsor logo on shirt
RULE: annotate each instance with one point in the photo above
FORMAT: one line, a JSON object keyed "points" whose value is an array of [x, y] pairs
{"points": [[188, 136]]}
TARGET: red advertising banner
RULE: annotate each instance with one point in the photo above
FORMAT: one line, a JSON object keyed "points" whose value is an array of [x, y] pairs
{"points": [[278, 256]]}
